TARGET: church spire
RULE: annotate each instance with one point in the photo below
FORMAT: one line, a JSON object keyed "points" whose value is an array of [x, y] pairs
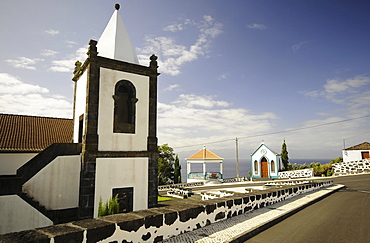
{"points": [[115, 42]]}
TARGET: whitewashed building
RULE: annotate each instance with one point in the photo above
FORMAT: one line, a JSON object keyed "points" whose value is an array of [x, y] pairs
{"points": [[265, 163], [357, 152], [108, 149]]}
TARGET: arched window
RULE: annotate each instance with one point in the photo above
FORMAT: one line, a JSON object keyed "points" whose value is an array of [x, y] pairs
{"points": [[124, 107], [256, 166], [272, 166]]}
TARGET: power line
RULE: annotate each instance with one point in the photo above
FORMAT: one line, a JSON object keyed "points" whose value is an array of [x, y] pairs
{"points": [[200, 144], [278, 132]]}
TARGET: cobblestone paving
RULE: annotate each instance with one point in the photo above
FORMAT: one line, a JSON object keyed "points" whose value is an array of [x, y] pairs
{"points": [[227, 229]]}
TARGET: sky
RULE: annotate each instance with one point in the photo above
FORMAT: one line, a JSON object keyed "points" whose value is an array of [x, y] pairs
{"points": [[253, 70]]}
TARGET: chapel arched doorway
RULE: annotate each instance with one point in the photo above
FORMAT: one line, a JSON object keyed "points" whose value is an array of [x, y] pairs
{"points": [[264, 168]]}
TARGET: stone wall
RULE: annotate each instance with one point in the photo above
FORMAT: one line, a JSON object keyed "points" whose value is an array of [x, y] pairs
{"points": [[156, 224], [305, 173], [353, 167], [180, 185]]}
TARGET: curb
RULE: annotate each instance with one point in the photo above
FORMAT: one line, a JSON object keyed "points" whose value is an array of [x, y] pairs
{"points": [[254, 231]]}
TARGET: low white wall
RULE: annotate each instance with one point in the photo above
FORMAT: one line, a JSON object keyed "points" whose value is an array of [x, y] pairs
{"points": [[305, 173], [57, 185], [10, 162], [17, 215], [353, 167], [120, 173], [194, 180]]}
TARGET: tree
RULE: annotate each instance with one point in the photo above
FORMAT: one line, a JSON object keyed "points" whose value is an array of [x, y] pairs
{"points": [[177, 170], [166, 159], [284, 156], [337, 160]]}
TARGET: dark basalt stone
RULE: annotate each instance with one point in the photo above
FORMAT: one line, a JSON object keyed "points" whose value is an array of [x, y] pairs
{"points": [[190, 213], [146, 236], [210, 208], [220, 215]]}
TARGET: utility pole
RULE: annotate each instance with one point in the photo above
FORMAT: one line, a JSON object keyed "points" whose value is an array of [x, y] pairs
{"points": [[237, 157]]}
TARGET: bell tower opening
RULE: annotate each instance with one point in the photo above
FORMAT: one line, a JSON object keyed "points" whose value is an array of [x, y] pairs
{"points": [[124, 107]]}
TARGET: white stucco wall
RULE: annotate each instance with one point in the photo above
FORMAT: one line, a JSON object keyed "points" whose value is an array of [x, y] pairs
{"points": [[352, 155], [109, 141], [17, 215], [119, 173], [57, 185], [80, 105], [10, 162]]}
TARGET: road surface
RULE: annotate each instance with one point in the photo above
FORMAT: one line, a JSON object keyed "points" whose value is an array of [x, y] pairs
{"points": [[341, 217]]}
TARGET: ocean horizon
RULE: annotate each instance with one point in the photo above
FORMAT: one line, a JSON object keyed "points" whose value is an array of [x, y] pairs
{"points": [[229, 167]]}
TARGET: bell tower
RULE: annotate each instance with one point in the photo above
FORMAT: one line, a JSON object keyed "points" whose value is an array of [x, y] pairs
{"points": [[115, 119]]}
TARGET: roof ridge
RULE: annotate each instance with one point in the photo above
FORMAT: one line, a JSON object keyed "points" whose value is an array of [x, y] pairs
{"points": [[200, 155]]}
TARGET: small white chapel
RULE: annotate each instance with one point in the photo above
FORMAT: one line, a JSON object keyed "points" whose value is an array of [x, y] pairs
{"points": [[265, 163]]}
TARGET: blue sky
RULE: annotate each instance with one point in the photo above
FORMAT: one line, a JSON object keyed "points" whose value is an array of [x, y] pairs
{"points": [[228, 68]]}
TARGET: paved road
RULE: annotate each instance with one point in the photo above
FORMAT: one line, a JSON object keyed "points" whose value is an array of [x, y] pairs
{"points": [[341, 217]]}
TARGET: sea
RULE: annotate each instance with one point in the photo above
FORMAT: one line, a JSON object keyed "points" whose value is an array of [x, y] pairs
{"points": [[229, 166]]}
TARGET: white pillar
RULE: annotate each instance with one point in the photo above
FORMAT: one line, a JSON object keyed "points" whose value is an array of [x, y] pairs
{"points": [[221, 168]]}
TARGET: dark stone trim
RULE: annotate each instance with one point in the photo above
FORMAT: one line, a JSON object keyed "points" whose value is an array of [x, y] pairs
{"points": [[152, 136], [32, 167], [124, 66], [10, 185], [58, 216], [90, 139], [82, 69], [121, 154]]}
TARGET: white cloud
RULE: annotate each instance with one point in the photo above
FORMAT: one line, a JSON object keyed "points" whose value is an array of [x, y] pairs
{"points": [[11, 85], [18, 97], [198, 119], [352, 93], [173, 56], [172, 87], [68, 64], [256, 26], [70, 42], [300, 45], [222, 76], [24, 62], [173, 27], [52, 32], [190, 100], [334, 86], [47, 52]]}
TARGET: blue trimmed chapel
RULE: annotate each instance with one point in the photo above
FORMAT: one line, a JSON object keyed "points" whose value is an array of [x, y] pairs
{"points": [[265, 163]]}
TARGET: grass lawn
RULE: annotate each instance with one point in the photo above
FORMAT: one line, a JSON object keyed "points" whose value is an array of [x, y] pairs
{"points": [[162, 199]]}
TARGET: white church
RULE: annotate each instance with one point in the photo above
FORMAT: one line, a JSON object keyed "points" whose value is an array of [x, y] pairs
{"points": [[265, 163], [55, 170]]}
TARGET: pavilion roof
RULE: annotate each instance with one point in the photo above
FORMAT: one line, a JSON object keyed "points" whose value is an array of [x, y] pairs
{"points": [[204, 154]]}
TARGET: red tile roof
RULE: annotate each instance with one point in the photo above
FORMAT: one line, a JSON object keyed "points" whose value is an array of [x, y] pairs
{"points": [[19, 133], [362, 146]]}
